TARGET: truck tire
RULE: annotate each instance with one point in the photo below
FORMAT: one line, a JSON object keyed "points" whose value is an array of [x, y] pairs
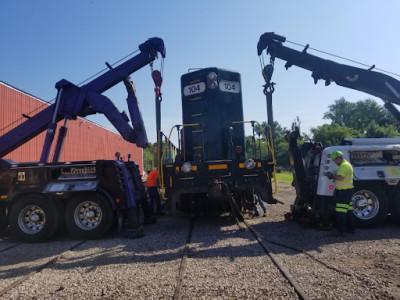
{"points": [[34, 218], [370, 205], [88, 216]]}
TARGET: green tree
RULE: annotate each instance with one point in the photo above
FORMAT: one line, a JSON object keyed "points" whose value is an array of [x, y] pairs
{"points": [[374, 130], [340, 112], [254, 147], [282, 153], [359, 115], [148, 157], [281, 145], [279, 130], [330, 135]]}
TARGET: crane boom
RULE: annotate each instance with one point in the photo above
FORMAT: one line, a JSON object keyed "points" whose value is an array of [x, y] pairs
{"points": [[73, 101], [366, 80]]}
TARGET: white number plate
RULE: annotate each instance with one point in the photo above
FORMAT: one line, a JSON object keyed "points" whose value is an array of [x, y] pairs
{"points": [[229, 86], [193, 89]]}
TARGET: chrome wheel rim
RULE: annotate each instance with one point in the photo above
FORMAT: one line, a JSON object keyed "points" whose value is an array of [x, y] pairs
{"points": [[365, 204], [88, 215], [31, 219]]}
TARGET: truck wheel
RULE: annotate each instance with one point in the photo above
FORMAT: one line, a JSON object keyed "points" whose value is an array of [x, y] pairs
{"points": [[88, 216], [34, 218], [370, 205]]}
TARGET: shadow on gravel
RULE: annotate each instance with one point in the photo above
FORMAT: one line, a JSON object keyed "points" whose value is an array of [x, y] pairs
{"points": [[165, 242], [295, 235]]}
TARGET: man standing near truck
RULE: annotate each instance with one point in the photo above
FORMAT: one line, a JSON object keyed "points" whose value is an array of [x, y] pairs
{"points": [[344, 191], [152, 189]]}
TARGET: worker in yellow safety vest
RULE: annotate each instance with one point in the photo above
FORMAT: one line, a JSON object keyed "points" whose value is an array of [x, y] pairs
{"points": [[344, 191]]}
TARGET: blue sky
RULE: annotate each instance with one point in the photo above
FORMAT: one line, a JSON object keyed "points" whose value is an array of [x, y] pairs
{"points": [[43, 41]]}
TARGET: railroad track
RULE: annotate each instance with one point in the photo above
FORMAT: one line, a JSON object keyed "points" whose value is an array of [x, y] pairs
{"points": [[292, 281], [37, 269], [178, 289], [182, 267], [10, 247], [263, 241]]}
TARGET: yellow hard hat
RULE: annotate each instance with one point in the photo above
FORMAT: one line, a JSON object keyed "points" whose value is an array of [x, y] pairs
{"points": [[335, 154]]}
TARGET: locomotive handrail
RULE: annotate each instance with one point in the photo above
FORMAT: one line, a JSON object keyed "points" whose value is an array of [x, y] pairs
{"points": [[163, 154], [270, 148]]}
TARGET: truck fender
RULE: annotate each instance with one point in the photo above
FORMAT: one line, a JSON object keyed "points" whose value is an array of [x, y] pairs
{"points": [[13, 198], [108, 197]]}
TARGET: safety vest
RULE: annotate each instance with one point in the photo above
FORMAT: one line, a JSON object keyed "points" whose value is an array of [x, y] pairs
{"points": [[345, 170]]}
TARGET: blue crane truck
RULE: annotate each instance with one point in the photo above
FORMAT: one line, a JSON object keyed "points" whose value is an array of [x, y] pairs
{"points": [[37, 198]]}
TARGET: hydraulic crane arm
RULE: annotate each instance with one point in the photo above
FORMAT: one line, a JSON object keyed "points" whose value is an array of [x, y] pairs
{"points": [[374, 83], [73, 101]]}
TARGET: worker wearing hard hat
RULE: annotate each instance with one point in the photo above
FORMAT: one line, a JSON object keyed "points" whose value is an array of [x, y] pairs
{"points": [[344, 191]]}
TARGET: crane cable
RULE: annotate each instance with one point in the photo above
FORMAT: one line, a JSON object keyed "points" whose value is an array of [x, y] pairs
{"points": [[79, 84]]}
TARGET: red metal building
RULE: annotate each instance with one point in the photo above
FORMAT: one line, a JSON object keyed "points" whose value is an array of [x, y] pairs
{"points": [[85, 140]]}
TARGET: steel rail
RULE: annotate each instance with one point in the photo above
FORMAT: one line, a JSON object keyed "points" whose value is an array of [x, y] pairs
{"points": [[297, 288], [182, 268], [37, 270], [10, 247]]}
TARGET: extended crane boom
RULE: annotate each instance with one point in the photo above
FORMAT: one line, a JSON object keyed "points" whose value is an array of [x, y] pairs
{"points": [[73, 101], [374, 83]]}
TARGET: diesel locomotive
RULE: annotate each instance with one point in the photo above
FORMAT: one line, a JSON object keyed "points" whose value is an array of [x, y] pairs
{"points": [[212, 166]]}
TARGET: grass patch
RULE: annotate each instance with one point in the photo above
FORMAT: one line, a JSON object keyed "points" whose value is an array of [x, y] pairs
{"points": [[285, 177]]}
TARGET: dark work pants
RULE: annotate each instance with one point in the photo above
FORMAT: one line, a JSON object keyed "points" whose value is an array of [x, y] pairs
{"points": [[154, 198], [344, 210]]}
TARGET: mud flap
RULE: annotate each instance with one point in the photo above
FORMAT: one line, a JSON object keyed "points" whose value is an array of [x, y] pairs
{"points": [[3, 216], [266, 194], [133, 220]]}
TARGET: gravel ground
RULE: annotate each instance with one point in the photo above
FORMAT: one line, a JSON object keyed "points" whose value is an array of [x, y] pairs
{"points": [[114, 268], [224, 262], [24, 258], [371, 256]]}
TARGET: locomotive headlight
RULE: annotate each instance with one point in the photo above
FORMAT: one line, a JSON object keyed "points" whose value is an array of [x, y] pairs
{"points": [[186, 167], [249, 164], [212, 76], [212, 80], [212, 84]]}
